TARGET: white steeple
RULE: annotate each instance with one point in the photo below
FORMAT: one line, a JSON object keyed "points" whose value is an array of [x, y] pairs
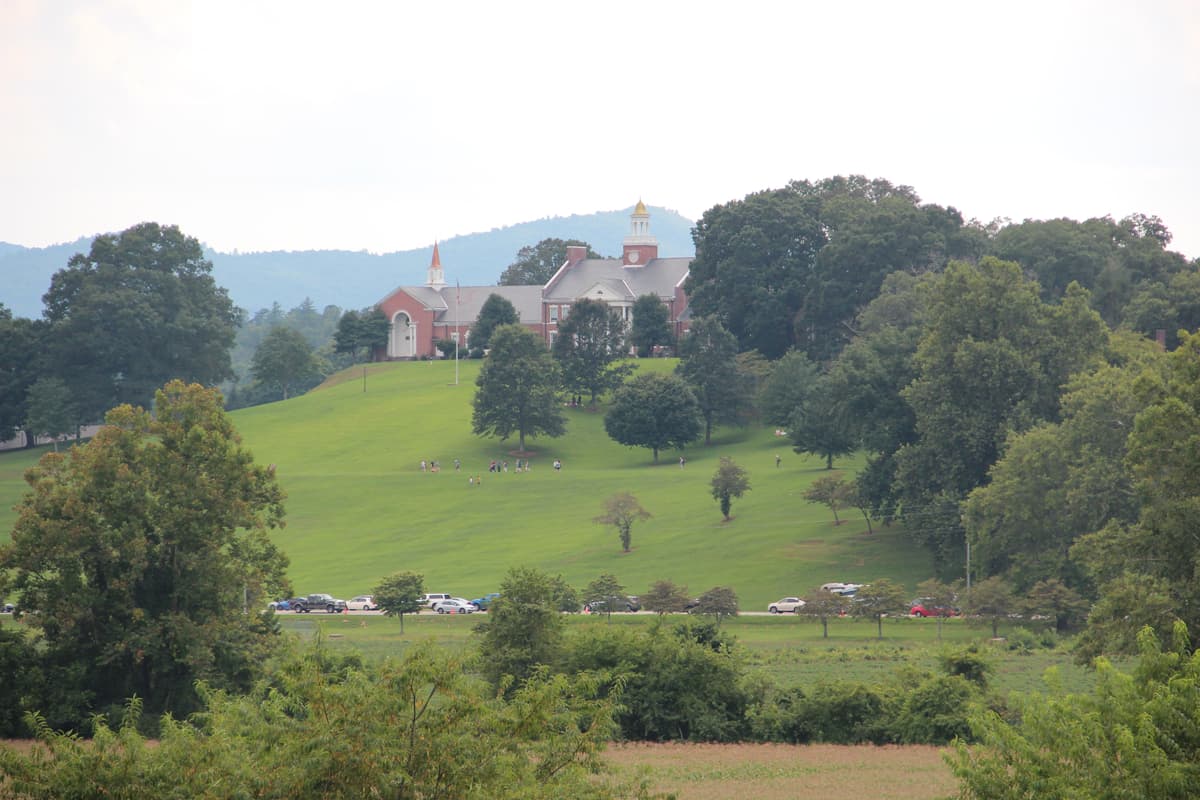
{"points": [[436, 279]]}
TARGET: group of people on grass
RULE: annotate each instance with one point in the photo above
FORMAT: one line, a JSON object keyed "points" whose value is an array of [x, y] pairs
{"points": [[495, 466]]}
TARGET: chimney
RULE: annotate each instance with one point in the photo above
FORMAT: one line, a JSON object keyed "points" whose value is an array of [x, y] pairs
{"points": [[575, 254]]}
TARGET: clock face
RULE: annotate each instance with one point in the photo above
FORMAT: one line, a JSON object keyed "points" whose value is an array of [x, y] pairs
{"points": [[633, 256]]}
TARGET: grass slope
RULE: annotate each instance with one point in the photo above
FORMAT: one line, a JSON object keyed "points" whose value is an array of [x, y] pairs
{"points": [[359, 508]]}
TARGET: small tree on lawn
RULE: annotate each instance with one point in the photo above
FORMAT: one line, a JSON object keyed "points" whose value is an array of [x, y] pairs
{"points": [[718, 602], [992, 599], [878, 599], [665, 597], [622, 510], [607, 590], [728, 482], [936, 594], [828, 490], [1058, 601], [823, 604], [400, 594]]}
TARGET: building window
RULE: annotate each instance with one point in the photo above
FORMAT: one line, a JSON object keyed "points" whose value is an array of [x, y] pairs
{"points": [[553, 335], [554, 313], [454, 336]]}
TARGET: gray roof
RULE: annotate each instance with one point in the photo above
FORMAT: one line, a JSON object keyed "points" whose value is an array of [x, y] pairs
{"points": [[526, 299], [461, 304], [659, 277]]}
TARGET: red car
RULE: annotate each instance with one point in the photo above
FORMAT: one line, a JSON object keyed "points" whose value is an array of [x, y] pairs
{"points": [[921, 610]]}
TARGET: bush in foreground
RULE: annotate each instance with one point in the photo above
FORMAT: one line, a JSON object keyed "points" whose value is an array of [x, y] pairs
{"points": [[414, 729]]}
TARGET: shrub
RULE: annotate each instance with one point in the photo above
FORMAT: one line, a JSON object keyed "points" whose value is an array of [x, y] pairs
{"points": [[842, 713], [969, 663], [936, 712], [673, 686]]}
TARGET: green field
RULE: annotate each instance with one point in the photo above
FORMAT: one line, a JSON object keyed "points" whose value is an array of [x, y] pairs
{"points": [[789, 649], [359, 507]]}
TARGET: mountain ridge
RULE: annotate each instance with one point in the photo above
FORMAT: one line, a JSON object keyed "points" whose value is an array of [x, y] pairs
{"points": [[355, 279]]}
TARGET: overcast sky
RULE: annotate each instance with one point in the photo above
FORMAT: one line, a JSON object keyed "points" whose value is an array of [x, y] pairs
{"points": [[384, 125]]}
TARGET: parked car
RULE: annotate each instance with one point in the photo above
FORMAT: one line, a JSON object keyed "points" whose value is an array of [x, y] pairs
{"points": [[629, 604], [433, 599], [326, 601], [454, 605], [920, 609], [363, 602], [280, 605], [9, 608], [296, 604], [787, 604], [482, 603], [844, 589]]}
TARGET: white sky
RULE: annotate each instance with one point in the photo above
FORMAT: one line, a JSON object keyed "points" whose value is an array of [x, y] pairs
{"points": [[384, 125]]}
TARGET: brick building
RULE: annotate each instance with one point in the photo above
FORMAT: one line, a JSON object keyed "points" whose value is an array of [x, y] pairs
{"points": [[420, 315]]}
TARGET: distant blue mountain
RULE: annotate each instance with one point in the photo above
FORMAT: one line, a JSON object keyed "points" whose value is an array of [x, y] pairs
{"points": [[355, 279]]}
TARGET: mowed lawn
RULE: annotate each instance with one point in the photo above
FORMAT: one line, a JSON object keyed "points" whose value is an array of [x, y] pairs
{"points": [[359, 507]]}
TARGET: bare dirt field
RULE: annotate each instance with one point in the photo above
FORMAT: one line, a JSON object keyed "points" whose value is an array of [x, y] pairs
{"points": [[787, 772]]}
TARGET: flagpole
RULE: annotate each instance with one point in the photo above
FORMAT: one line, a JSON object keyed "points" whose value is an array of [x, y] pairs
{"points": [[457, 333]]}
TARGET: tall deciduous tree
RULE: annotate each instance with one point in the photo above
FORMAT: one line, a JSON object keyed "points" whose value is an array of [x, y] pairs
{"points": [[361, 330], [792, 267], [494, 312], [622, 510], [787, 388], [709, 364], [1152, 563], [51, 412], [729, 481], [139, 309], [139, 554], [517, 388], [589, 347], [821, 426], [651, 325], [992, 360], [654, 411], [537, 263], [21, 345], [284, 360], [400, 594]]}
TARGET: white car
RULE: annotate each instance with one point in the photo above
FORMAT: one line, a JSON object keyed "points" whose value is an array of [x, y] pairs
{"points": [[363, 602], [433, 599], [454, 605], [844, 589], [787, 604]]}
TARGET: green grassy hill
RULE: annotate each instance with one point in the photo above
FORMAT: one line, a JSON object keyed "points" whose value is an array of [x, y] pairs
{"points": [[359, 507]]}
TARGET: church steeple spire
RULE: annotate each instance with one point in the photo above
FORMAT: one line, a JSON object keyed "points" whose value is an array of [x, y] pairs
{"points": [[436, 279]]}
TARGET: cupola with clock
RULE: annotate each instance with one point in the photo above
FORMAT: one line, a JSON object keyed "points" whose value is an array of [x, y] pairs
{"points": [[639, 247]]}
